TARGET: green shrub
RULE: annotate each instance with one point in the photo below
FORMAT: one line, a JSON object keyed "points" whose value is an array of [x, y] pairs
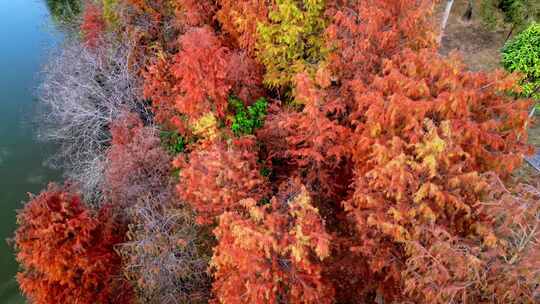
{"points": [[522, 54], [518, 13], [246, 120], [173, 142], [64, 11]]}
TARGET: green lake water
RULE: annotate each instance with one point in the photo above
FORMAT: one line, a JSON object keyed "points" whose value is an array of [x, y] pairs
{"points": [[28, 35]]}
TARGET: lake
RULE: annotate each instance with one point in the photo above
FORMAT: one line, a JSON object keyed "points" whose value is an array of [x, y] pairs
{"points": [[28, 36]]}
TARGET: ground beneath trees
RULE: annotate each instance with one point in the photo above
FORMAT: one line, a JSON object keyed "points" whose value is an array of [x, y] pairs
{"points": [[479, 46], [534, 138]]}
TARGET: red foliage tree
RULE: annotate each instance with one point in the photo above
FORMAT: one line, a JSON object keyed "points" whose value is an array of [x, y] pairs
{"points": [[309, 142], [158, 86], [137, 164], [195, 83], [93, 25], [273, 253], [199, 79], [246, 76], [66, 251], [215, 179], [195, 12]]}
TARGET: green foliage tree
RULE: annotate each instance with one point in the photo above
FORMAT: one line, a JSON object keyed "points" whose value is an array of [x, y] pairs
{"points": [[246, 120], [64, 11], [517, 13], [173, 141], [522, 54]]}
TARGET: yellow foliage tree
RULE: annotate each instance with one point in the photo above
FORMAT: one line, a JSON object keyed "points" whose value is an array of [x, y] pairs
{"points": [[291, 40]]}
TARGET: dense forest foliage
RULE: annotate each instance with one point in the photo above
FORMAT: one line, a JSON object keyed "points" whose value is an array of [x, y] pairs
{"points": [[281, 151]]}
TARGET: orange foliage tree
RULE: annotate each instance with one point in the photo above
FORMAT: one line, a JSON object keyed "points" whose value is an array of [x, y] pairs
{"points": [[66, 252], [215, 179], [415, 86], [364, 33], [500, 266], [424, 132], [273, 253], [240, 19]]}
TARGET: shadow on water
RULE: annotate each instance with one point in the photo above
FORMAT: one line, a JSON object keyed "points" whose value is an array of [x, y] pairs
{"points": [[29, 32]]}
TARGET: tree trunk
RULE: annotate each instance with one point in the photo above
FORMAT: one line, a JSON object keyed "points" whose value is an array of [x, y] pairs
{"points": [[467, 16], [446, 14], [510, 33]]}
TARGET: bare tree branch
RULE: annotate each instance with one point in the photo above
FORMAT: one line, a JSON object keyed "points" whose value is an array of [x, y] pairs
{"points": [[83, 91]]}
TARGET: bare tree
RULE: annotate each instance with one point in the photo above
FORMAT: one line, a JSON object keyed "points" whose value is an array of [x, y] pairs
{"points": [[167, 255], [83, 91], [445, 17]]}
